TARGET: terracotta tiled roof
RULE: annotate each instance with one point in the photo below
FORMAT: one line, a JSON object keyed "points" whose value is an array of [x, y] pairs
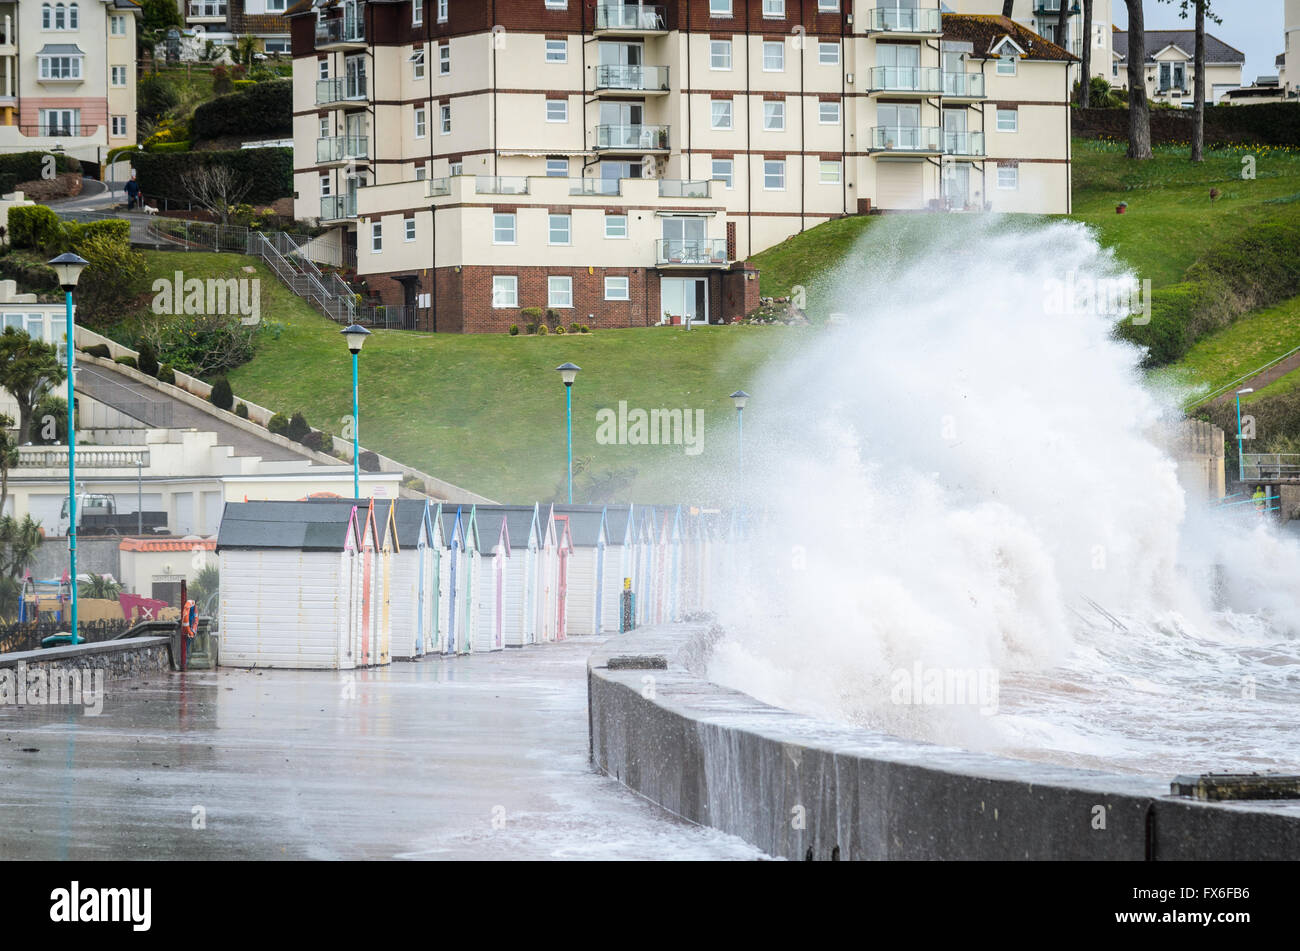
{"points": [[984, 31], [167, 544], [261, 23]]}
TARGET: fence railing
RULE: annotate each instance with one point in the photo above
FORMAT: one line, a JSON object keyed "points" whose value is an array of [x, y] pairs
{"points": [[1262, 466], [680, 188], [27, 636], [56, 457]]}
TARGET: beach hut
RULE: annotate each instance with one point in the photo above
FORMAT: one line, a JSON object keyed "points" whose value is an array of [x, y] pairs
{"points": [[489, 634], [388, 550], [462, 579], [688, 584], [647, 548], [368, 577], [409, 576], [556, 551], [449, 525], [437, 549], [291, 593], [616, 564], [519, 607], [586, 567]]}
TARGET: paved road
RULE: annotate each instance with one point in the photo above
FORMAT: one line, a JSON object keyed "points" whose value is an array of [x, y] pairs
{"points": [[412, 761]]}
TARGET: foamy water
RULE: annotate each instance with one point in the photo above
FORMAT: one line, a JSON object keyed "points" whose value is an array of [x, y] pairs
{"points": [[968, 478]]}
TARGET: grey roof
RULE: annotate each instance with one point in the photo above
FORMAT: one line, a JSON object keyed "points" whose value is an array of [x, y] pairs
{"points": [[1216, 51], [60, 49], [410, 522], [301, 526], [519, 521], [584, 523]]}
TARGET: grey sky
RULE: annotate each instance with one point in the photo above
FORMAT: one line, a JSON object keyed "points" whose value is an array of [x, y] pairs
{"points": [[1252, 26]]}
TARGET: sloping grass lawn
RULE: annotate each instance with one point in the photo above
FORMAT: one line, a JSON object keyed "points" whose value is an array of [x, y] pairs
{"points": [[804, 258]]}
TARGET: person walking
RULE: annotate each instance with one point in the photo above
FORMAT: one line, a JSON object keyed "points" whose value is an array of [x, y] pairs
{"points": [[132, 189], [1259, 498]]}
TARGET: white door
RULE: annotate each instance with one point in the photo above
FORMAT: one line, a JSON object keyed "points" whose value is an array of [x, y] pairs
{"points": [[686, 298]]}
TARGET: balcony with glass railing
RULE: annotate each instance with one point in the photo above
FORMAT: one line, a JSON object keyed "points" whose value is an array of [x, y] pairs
{"points": [[438, 188], [340, 91], [632, 138], [963, 85], [963, 144], [500, 185], [907, 20], [595, 186], [342, 149], [205, 10], [341, 31], [906, 140], [926, 80], [338, 207], [691, 252], [630, 18], [681, 188], [652, 80]]}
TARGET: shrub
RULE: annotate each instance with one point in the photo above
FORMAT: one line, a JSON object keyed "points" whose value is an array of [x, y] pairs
{"points": [[574, 328], [241, 411], [126, 361], [28, 166], [111, 282], [586, 329], [204, 345], [542, 330], [297, 427], [221, 396], [368, 461], [222, 84], [514, 330], [278, 424], [148, 361], [31, 276], [252, 110], [270, 171], [155, 96], [535, 314], [166, 374], [530, 328], [560, 329], [99, 350], [33, 226], [56, 407], [314, 439]]}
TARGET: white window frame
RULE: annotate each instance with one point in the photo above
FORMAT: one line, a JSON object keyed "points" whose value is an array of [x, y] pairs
{"points": [[1010, 60], [560, 172], [715, 116], [444, 118], [442, 11], [117, 25], [821, 112], [562, 285], [1014, 125], [417, 64], [565, 230], [73, 64], [821, 54], [117, 125], [828, 6], [774, 9], [417, 12], [609, 219], [505, 291], [716, 49], [770, 166], [408, 229], [557, 4], [323, 69], [326, 187], [627, 288], [444, 59], [376, 237], [1014, 175], [774, 111], [421, 122], [563, 106], [779, 49], [837, 170], [728, 180], [499, 219], [114, 72], [721, 9], [557, 51]]}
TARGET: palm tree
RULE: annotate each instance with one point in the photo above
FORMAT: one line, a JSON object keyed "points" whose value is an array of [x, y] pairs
{"points": [[1139, 111], [28, 370], [100, 586], [1085, 54]]}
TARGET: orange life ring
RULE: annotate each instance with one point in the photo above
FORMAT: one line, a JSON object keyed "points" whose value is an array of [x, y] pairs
{"points": [[189, 619]]}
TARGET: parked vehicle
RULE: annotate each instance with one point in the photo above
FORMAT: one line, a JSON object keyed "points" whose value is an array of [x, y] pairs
{"points": [[99, 515]]}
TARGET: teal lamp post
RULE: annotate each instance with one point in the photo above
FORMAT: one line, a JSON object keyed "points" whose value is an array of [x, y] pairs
{"points": [[356, 336], [568, 373], [740, 398], [1241, 460], [68, 267]]}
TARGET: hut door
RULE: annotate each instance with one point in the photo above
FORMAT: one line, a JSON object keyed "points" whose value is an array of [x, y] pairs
{"points": [[561, 592]]}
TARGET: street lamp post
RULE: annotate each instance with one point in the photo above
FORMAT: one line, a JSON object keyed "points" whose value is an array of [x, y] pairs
{"points": [[740, 398], [356, 337], [1241, 460], [568, 373], [68, 267]]}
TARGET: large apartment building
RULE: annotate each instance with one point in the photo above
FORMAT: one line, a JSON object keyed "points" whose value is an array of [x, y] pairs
{"points": [[619, 161], [67, 76], [1043, 17]]}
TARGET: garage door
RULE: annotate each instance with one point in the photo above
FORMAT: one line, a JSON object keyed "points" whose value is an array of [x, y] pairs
{"points": [[900, 186], [45, 510]]}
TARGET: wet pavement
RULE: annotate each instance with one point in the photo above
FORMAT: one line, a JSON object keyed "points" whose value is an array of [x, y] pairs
{"points": [[480, 757]]}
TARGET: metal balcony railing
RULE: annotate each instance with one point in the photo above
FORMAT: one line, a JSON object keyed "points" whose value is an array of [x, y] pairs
{"points": [[500, 185], [906, 78], [633, 78], [340, 89], [965, 85], [1263, 466], [680, 188], [707, 252], [63, 129], [963, 143], [904, 20], [905, 138], [206, 10], [438, 188], [631, 16], [342, 148], [350, 29], [338, 207], [595, 186], [632, 137]]}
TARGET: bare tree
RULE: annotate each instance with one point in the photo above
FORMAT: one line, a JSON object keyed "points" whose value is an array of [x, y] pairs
{"points": [[1085, 51], [1139, 111], [216, 189], [1063, 26], [1202, 11]]}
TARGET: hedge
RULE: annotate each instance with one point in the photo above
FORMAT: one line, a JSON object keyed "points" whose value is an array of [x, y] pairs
{"points": [[270, 171], [27, 166], [1266, 123], [33, 226], [261, 109]]}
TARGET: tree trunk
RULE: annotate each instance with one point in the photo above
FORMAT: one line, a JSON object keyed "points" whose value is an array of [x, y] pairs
{"points": [[1198, 112], [1085, 69], [1139, 112], [25, 411], [1063, 26], [1007, 6]]}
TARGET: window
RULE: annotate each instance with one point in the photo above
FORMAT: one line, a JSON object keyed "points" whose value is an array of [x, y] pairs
{"points": [[444, 59], [720, 54], [323, 68], [828, 6], [421, 172], [773, 57], [557, 168], [60, 67], [442, 11], [557, 51], [277, 45], [444, 117], [419, 122], [557, 4], [828, 113], [505, 290], [417, 12], [119, 126], [830, 173], [719, 8], [1008, 178], [117, 25], [277, 6], [417, 64], [559, 292], [724, 171], [1007, 65], [1008, 120], [409, 229], [557, 110], [721, 116], [560, 230], [455, 168], [325, 187], [616, 288], [828, 54], [774, 8], [73, 17], [117, 75], [616, 226], [774, 175], [774, 116], [503, 229], [324, 127], [376, 237]]}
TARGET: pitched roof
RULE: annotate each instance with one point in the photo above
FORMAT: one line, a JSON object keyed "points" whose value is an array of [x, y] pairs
{"points": [[983, 31], [302, 526], [410, 522], [1216, 51], [519, 521], [584, 522], [167, 544]]}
